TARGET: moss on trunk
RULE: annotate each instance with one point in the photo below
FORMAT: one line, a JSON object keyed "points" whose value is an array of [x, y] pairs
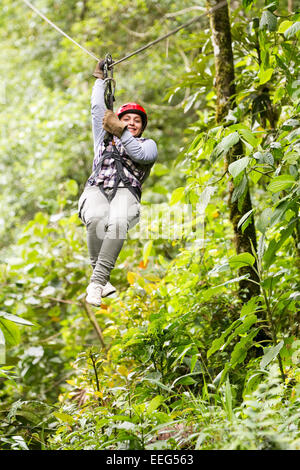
{"points": [[225, 88]]}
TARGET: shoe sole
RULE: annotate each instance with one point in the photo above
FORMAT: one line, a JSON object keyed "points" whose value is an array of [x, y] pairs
{"points": [[92, 303], [109, 293]]}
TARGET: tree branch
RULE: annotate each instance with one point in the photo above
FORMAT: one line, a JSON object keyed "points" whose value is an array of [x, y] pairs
{"points": [[92, 318]]}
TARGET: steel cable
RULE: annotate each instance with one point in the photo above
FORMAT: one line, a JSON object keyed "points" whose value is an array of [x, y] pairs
{"points": [[29, 4], [141, 49]]}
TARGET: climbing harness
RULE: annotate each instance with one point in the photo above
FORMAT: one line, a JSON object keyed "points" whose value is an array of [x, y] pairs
{"points": [[120, 164]]}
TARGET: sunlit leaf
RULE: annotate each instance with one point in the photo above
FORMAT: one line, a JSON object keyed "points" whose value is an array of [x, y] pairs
{"points": [[240, 260], [235, 168], [292, 30], [2, 348], [281, 182], [270, 353], [177, 195], [131, 277], [225, 145], [146, 251]]}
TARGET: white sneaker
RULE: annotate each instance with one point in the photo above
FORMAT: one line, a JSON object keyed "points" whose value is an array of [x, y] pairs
{"points": [[108, 289], [94, 294]]}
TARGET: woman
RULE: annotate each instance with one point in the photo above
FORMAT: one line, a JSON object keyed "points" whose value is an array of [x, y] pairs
{"points": [[110, 203]]}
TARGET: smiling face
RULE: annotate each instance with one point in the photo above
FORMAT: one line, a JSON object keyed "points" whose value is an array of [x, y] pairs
{"points": [[134, 123]]}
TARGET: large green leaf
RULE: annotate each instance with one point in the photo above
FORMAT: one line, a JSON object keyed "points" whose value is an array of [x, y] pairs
{"points": [[238, 327], [268, 20], [284, 25], [236, 167], [2, 348], [278, 214], [155, 403], [247, 3], [71, 187], [265, 75], [246, 133], [240, 260], [281, 182], [263, 221], [177, 195], [292, 30], [15, 318], [64, 417], [248, 136], [270, 353], [274, 246], [11, 332], [240, 350], [225, 145], [208, 293], [239, 190], [147, 250]]}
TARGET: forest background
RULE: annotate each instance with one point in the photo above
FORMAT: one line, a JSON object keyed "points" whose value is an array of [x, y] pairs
{"points": [[200, 348]]}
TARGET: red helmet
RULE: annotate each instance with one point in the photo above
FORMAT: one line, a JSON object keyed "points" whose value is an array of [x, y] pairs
{"points": [[136, 109]]}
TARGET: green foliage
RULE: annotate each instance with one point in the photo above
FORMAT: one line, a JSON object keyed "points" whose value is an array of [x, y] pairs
{"points": [[183, 363]]}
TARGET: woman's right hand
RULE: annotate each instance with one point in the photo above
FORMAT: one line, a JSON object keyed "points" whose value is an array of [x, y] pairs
{"points": [[98, 72]]}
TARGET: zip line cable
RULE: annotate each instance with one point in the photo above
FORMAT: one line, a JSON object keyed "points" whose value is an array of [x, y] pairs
{"points": [[143, 48]]}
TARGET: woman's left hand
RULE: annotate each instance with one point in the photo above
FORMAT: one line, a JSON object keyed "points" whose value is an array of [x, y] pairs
{"points": [[112, 124]]}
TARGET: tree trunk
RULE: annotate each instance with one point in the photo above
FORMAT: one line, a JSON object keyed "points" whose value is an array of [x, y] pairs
{"points": [[225, 88]]}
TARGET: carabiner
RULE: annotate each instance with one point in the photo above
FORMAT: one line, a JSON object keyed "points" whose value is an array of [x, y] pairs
{"points": [[110, 84], [108, 66]]}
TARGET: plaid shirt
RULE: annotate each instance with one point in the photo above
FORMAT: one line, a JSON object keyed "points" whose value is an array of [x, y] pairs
{"points": [[107, 174]]}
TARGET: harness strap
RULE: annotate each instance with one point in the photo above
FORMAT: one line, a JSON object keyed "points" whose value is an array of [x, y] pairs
{"points": [[115, 154], [109, 91]]}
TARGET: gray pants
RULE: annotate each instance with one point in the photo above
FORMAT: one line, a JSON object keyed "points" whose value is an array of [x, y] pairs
{"points": [[107, 224]]}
